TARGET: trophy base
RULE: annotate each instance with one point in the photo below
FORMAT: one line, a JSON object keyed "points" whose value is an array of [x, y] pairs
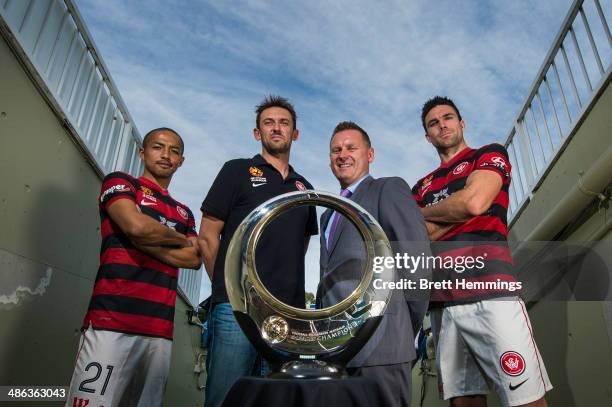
{"points": [[309, 369]]}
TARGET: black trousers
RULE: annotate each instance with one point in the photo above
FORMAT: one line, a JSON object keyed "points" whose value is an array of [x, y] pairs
{"points": [[395, 381]]}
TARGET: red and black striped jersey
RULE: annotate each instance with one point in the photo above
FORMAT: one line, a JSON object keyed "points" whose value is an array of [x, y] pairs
{"points": [[483, 236], [134, 292]]}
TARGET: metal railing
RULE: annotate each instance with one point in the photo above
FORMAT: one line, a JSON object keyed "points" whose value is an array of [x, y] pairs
{"points": [[574, 71], [189, 286], [53, 42]]}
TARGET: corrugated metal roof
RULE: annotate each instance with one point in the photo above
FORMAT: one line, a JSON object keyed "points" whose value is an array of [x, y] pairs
{"points": [[189, 286]]}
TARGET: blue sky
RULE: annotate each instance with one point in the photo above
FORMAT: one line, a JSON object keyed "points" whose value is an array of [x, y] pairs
{"points": [[200, 67]]}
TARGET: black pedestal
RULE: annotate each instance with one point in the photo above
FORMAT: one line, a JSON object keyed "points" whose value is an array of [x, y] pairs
{"points": [[350, 392]]}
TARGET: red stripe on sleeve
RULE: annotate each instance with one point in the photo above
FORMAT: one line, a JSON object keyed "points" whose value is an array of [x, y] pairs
{"points": [[494, 161], [502, 199], [108, 228], [113, 188]]}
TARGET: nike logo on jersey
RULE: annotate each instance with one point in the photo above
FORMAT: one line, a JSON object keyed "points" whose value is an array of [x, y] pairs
{"points": [[512, 388], [146, 203], [258, 185]]}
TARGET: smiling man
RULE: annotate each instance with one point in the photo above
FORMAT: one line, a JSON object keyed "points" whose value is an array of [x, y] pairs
{"points": [[241, 186], [388, 355], [482, 335], [125, 348]]}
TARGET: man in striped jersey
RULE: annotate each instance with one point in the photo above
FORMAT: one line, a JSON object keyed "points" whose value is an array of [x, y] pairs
{"points": [[125, 348], [481, 327]]}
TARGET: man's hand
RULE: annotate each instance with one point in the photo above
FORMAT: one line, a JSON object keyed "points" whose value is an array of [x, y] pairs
{"points": [[436, 230], [209, 241]]}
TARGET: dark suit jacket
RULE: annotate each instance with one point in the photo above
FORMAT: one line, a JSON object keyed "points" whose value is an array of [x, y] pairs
{"points": [[390, 201]]}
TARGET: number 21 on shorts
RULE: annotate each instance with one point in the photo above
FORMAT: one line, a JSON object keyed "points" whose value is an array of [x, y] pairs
{"points": [[92, 384]]}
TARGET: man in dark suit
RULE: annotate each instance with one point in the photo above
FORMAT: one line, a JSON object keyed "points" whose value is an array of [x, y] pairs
{"points": [[387, 357]]}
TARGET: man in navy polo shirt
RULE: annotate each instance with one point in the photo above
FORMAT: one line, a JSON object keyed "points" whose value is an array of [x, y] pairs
{"points": [[241, 186]]}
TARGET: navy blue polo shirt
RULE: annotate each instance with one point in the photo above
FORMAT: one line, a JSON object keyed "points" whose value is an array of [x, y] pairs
{"points": [[241, 186]]}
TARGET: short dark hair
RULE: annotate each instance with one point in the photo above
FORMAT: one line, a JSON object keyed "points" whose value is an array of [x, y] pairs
{"points": [[275, 101], [349, 125], [148, 136], [437, 101]]}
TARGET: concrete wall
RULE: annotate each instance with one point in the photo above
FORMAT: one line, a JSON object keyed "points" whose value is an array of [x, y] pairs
{"points": [[49, 245]]}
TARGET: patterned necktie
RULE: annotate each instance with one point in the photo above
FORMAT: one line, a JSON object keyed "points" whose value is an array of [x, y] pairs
{"points": [[336, 217]]}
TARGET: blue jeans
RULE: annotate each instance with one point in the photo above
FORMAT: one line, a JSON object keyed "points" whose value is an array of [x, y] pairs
{"points": [[230, 354]]}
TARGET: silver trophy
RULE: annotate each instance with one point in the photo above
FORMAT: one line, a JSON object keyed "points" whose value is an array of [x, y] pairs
{"points": [[301, 343]]}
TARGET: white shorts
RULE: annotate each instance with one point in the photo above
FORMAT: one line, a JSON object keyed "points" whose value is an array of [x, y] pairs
{"points": [[484, 342], [117, 369]]}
